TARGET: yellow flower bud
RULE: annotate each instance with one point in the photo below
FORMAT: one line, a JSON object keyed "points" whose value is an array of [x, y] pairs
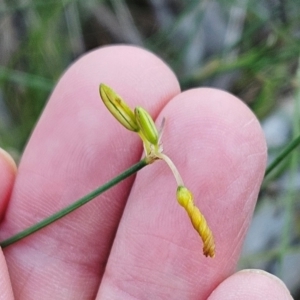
{"points": [[184, 196], [146, 125], [118, 107], [185, 199]]}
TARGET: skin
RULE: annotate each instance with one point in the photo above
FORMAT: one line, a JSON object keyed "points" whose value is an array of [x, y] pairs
{"points": [[134, 241]]}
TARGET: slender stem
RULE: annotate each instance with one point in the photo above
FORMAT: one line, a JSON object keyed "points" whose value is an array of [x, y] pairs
{"points": [[130, 171], [173, 168], [290, 147]]}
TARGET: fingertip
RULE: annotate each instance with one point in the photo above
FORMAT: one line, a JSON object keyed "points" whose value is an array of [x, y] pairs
{"points": [[5, 285], [222, 157], [251, 284], [8, 171], [76, 146], [218, 146], [138, 75], [9, 160], [220, 113]]}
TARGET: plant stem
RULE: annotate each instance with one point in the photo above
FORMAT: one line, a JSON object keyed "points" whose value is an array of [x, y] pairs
{"points": [[130, 171], [290, 147]]}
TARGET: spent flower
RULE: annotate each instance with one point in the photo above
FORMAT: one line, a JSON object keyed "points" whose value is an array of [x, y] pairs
{"points": [[142, 123]]}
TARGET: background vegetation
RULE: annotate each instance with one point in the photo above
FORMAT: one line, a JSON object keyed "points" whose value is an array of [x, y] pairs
{"points": [[248, 47]]}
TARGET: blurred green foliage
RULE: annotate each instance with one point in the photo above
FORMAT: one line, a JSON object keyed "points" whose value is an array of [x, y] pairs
{"points": [[250, 48], [46, 36]]}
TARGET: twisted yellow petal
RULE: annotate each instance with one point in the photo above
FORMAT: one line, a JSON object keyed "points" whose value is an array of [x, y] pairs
{"points": [[185, 199], [146, 125], [118, 107]]}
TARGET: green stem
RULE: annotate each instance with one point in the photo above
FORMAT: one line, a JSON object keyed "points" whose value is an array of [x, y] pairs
{"points": [[130, 171], [290, 147]]}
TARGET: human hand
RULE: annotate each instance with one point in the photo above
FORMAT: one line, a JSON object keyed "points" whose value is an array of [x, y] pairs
{"points": [[134, 241]]}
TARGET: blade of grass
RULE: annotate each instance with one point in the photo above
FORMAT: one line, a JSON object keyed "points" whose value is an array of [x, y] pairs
{"points": [[26, 79], [130, 171], [289, 201], [73, 23], [129, 29], [289, 148]]}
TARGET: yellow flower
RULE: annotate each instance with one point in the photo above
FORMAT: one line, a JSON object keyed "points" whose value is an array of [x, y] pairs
{"points": [[142, 123], [185, 199]]}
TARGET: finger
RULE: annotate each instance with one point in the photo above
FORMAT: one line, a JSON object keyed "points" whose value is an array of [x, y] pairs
{"points": [[7, 176], [77, 146], [5, 285], [219, 148], [8, 171], [251, 284]]}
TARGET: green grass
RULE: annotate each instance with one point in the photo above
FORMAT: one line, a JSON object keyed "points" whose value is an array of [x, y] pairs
{"points": [[46, 36]]}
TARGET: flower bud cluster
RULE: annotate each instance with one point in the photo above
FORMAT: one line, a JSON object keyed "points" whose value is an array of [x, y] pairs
{"points": [[142, 123]]}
